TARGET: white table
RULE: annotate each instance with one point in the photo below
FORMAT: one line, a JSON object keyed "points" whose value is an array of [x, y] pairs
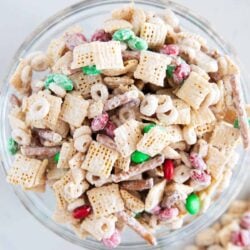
{"points": [[19, 230]]}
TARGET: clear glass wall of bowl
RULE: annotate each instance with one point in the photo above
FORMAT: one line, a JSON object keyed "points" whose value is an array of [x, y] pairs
{"points": [[90, 14]]}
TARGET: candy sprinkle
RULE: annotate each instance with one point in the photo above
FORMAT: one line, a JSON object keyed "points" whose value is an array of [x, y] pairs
{"points": [[56, 157], [60, 80], [91, 70], [12, 146]]}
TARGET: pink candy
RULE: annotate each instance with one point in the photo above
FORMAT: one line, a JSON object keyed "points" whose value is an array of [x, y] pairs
{"points": [[245, 221], [241, 238], [197, 161], [156, 210], [181, 72], [101, 35], [113, 241], [99, 122], [200, 176], [109, 129], [168, 213], [170, 49], [73, 40]]}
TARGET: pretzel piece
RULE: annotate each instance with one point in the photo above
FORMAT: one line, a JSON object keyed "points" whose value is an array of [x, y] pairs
{"points": [[138, 169], [240, 109], [137, 185], [137, 227]]}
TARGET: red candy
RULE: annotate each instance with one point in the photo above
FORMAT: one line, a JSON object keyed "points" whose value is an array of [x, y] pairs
{"points": [[241, 238], [197, 161], [245, 221], [168, 213], [181, 72], [99, 122], [74, 40], [168, 169], [113, 241], [82, 212], [109, 129], [101, 35], [170, 49], [200, 176]]}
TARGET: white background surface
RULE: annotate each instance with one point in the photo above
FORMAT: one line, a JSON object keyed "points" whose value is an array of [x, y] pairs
{"points": [[19, 230]]}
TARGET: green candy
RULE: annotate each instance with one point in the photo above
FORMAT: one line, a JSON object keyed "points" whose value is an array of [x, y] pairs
{"points": [[60, 80], [170, 71], [139, 157], [193, 204], [123, 35], [148, 127], [91, 70], [237, 125], [12, 146], [137, 43], [56, 157]]}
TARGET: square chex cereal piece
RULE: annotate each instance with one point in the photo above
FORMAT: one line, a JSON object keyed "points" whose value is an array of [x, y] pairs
{"points": [[108, 55], [74, 110], [83, 55], [83, 83], [174, 133], [152, 67], [154, 141], [225, 136], [27, 172], [154, 34], [123, 163], [215, 161], [184, 112], [66, 153], [194, 90], [105, 200], [127, 137], [132, 203], [202, 116], [58, 188], [100, 160]]}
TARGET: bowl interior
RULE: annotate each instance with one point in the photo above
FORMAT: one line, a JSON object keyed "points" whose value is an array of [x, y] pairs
{"points": [[90, 14]]}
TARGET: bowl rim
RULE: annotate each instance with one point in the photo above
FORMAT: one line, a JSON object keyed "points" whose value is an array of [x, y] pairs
{"points": [[202, 221]]}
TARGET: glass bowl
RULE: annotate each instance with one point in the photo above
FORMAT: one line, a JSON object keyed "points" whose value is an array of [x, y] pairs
{"points": [[90, 14]]}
